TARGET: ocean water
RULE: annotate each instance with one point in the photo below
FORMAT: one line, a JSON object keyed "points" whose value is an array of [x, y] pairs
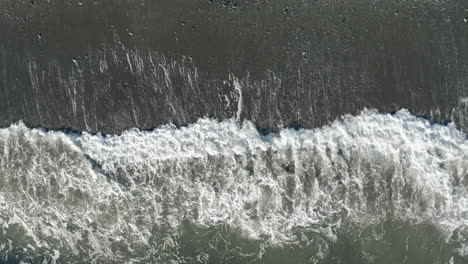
{"points": [[370, 188]]}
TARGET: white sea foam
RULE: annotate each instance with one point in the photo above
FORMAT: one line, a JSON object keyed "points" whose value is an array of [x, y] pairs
{"points": [[106, 195]]}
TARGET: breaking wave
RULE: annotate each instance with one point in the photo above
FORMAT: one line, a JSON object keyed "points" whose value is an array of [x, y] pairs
{"points": [[371, 188]]}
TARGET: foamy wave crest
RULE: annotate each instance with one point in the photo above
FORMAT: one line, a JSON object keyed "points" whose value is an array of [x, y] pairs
{"points": [[138, 196]]}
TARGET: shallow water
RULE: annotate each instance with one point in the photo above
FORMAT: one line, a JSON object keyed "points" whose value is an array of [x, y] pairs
{"points": [[371, 188]]}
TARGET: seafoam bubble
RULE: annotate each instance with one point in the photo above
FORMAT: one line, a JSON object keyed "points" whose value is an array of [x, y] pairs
{"points": [[138, 196]]}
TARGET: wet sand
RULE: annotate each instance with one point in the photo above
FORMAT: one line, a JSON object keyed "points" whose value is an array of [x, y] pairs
{"points": [[107, 67]]}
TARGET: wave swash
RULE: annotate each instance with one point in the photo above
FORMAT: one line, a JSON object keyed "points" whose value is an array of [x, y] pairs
{"points": [[371, 188]]}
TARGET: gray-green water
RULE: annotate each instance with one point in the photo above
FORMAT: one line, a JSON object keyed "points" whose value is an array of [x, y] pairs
{"points": [[371, 188]]}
